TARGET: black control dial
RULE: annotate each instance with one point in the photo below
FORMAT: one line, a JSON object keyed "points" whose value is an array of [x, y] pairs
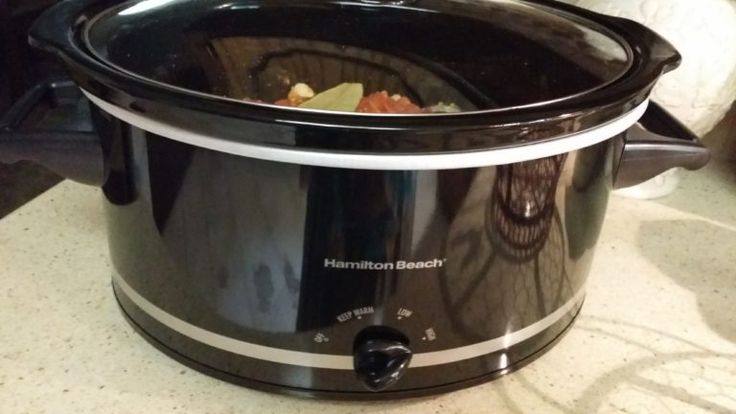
{"points": [[381, 357]]}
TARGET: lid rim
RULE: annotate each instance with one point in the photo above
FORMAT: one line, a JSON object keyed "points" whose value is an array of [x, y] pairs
{"points": [[286, 111], [58, 31], [388, 161]]}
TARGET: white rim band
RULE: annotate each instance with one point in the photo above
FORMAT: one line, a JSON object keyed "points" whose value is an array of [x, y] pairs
{"points": [[444, 161], [341, 362]]}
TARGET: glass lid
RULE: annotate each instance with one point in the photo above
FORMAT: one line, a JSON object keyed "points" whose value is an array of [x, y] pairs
{"points": [[373, 57]]}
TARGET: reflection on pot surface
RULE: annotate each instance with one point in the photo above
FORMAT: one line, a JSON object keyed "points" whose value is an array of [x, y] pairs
{"points": [[305, 258], [523, 204], [522, 244]]}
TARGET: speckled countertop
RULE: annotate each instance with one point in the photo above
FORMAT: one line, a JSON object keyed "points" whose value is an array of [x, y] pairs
{"points": [[657, 333]]}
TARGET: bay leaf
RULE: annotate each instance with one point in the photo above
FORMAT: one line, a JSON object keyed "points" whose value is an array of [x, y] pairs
{"points": [[344, 97]]}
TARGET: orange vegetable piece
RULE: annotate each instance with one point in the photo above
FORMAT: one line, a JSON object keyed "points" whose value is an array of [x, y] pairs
{"points": [[382, 103]]}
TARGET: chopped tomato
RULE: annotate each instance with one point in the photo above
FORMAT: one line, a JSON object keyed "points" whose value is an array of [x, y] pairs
{"points": [[382, 103]]}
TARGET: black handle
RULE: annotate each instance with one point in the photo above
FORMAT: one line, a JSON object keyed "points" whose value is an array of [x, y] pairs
{"points": [[657, 144], [658, 48], [76, 155], [53, 31], [659, 54]]}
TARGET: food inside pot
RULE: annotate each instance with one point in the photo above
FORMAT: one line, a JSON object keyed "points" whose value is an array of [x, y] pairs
{"points": [[427, 57], [349, 97]]}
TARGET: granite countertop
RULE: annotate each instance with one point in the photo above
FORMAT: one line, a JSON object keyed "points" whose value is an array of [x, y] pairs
{"points": [[657, 333]]}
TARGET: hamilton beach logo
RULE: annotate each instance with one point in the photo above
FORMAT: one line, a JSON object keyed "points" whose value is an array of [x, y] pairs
{"points": [[399, 265]]}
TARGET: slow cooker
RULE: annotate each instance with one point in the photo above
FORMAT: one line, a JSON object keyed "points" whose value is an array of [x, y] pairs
{"points": [[355, 255]]}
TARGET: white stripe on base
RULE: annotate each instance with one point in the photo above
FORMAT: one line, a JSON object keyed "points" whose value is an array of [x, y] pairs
{"points": [[341, 362], [443, 161]]}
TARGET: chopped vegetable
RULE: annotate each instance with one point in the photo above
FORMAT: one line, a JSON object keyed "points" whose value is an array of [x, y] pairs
{"points": [[382, 103], [444, 108], [299, 93], [344, 97], [348, 97]]}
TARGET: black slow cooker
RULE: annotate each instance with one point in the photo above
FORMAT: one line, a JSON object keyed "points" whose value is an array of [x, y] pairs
{"points": [[356, 255]]}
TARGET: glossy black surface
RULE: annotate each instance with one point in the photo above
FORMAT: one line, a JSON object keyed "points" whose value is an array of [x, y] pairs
{"points": [[60, 31], [249, 249], [476, 55], [497, 366], [381, 358]]}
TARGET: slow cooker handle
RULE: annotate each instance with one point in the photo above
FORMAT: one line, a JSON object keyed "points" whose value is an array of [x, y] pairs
{"points": [[657, 144], [76, 155], [660, 55], [54, 30]]}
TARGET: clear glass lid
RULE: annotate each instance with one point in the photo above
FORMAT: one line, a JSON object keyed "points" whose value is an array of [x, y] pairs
{"points": [[404, 57]]}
